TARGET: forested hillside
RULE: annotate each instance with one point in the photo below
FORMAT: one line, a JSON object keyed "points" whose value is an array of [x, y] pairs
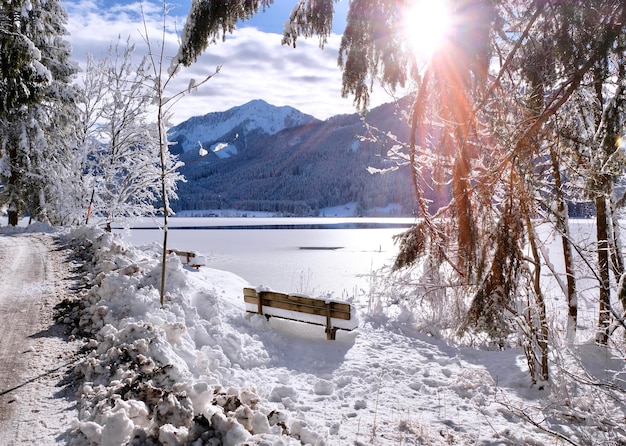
{"points": [[301, 169]]}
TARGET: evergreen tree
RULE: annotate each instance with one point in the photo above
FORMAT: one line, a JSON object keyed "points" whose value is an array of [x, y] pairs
{"points": [[23, 82], [60, 198], [208, 20], [38, 110]]}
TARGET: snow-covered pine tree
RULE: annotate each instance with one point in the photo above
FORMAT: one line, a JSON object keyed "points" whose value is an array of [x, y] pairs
{"points": [[38, 107], [23, 82], [61, 200]]}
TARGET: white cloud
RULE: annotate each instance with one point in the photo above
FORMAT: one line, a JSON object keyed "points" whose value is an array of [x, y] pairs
{"points": [[254, 64]]}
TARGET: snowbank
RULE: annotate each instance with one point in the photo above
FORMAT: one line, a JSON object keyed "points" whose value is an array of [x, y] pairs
{"points": [[156, 375]]}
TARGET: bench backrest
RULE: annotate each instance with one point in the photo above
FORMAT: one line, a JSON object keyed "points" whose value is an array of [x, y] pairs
{"points": [[301, 304]]}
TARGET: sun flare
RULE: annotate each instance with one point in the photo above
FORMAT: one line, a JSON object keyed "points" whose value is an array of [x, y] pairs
{"points": [[426, 24]]}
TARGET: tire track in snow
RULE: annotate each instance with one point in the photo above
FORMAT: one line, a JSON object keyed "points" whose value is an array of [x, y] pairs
{"points": [[33, 352]]}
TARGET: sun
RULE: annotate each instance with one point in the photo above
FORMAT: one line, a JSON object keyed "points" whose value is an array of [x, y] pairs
{"points": [[426, 24]]}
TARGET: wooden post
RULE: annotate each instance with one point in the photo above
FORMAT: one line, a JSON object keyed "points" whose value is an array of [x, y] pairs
{"points": [[259, 303], [329, 333]]}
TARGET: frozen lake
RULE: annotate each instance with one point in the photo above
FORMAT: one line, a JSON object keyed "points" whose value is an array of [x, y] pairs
{"points": [[307, 255]]}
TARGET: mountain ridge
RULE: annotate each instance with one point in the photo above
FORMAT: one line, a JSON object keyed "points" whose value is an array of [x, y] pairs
{"points": [[227, 127], [299, 169]]}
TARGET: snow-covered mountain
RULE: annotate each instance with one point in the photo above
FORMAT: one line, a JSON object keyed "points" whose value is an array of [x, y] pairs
{"points": [[228, 132], [299, 169]]}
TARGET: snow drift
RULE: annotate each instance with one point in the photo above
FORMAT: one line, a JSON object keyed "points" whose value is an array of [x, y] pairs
{"points": [[154, 375]]}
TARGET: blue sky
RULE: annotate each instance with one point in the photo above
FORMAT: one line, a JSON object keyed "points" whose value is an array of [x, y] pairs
{"points": [[254, 63], [271, 20]]}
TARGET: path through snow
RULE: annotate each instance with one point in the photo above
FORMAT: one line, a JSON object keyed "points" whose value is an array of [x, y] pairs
{"points": [[36, 405]]}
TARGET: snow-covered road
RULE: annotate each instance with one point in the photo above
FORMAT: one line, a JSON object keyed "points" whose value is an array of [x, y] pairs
{"points": [[36, 404]]}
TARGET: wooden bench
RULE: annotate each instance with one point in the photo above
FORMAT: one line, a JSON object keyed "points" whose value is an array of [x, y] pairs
{"points": [[330, 314], [189, 258]]}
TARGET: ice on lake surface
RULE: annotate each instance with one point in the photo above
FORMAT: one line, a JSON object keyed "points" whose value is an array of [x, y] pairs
{"points": [[338, 259]]}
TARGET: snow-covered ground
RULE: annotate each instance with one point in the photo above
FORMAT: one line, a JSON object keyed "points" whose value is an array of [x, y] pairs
{"points": [[201, 371], [37, 403]]}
